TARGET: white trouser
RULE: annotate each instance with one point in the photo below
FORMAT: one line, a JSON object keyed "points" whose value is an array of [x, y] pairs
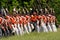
{"points": [[19, 29], [16, 29], [13, 28], [49, 27], [0, 33], [32, 26], [38, 28], [54, 27], [29, 27], [22, 30], [44, 27], [25, 26]]}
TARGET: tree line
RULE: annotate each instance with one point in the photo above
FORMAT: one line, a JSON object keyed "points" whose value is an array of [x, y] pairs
{"points": [[10, 4]]}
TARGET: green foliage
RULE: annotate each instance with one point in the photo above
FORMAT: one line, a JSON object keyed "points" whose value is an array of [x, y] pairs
{"points": [[56, 5], [10, 4], [20, 3], [15, 3]]}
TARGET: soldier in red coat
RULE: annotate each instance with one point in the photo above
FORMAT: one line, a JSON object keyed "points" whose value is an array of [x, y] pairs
{"points": [[25, 24], [28, 22], [34, 20]]}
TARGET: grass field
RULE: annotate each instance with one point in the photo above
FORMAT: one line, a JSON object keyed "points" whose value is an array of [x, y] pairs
{"points": [[35, 36]]}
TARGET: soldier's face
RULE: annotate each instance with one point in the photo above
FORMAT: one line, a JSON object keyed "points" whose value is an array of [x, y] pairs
{"points": [[34, 13]]}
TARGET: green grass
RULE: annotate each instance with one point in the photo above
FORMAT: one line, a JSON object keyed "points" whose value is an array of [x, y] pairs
{"points": [[35, 36]]}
